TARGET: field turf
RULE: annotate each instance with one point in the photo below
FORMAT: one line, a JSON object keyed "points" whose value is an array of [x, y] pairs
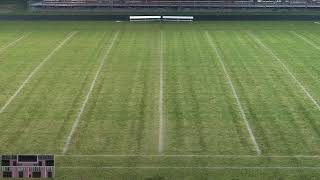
{"points": [[202, 100]]}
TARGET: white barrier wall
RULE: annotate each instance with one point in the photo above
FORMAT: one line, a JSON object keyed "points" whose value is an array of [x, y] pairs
{"points": [[164, 18], [144, 18], [177, 18]]}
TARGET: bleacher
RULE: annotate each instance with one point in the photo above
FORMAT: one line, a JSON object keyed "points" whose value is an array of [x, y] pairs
{"points": [[180, 3], [69, 1], [139, 1]]}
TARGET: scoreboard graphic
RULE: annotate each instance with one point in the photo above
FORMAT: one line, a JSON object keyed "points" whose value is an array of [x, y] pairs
{"points": [[27, 166]]}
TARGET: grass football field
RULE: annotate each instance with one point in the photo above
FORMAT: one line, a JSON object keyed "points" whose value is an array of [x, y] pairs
{"points": [[201, 100]]}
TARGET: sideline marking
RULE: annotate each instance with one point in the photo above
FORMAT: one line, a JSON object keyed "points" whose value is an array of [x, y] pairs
{"points": [[13, 42], [190, 155], [35, 70], [234, 92], [77, 120], [192, 167], [161, 120], [305, 39], [268, 50]]}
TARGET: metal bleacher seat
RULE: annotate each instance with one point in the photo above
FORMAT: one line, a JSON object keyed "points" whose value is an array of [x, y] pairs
{"points": [[69, 1]]}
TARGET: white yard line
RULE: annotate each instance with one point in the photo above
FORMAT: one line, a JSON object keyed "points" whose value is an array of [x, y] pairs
{"points": [[161, 119], [77, 120], [317, 22], [13, 42], [3, 108], [234, 92], [268, 50], [193, 167], [305, 39], [188, 156]]}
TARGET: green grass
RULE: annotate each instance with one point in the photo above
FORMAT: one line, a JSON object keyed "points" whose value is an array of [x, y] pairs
{"points": [[205, 135]]}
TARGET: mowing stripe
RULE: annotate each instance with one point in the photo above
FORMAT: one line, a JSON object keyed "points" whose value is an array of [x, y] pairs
{"points": [[189, 156], [234, 92], [77, 120], [13, 42], [161, 120], [35, 70], [268, 50], [193, 167], [305, 39]]}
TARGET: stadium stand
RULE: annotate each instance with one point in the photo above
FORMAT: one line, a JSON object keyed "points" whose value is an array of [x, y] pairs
{"points": [[70, 1], [181, 3]]}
